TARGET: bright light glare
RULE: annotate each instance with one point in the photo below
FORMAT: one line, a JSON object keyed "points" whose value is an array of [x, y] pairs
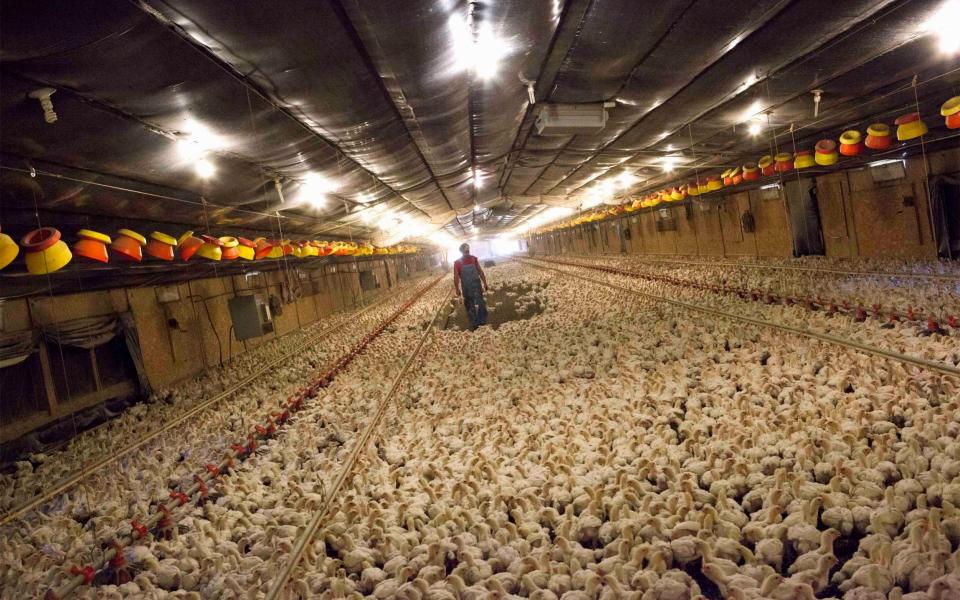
{"points": [[477, 177], [754, 128], [205, 168], [625, 180], [669, 164], [594, 198], [504, 246], [188, 150], [752, 110], [480, 54], [888, 161], [388, 223], [945, 24], [198, 141], [543, 218], [314, 190]]}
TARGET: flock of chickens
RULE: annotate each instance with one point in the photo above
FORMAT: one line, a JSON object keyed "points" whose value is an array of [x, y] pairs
{"points": [[611, 446]]}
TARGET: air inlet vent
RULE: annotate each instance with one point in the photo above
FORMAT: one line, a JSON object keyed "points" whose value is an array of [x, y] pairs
{"points": [[571, 119]]}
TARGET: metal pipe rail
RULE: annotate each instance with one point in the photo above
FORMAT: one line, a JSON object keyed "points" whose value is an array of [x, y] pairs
{"points": [[86, 575], [86, 471], [824, 337], [328, 501], [707, 263], [758, 295]]}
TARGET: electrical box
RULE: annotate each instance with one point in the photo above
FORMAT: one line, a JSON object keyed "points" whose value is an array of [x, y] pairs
{"points": [[168, 294], [251, 316]]}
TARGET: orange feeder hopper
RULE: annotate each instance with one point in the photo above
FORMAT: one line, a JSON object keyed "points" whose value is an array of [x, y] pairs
{"points": [[951, 111], [850, 144], [161, 246], [92, 245], [129, 245], [878, 137], [783, 162], [766, 165], [188, 245]]}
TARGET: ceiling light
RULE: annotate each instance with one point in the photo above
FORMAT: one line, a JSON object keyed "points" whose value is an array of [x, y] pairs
{"points": [[754, 128], [752, 111], [205, 168], [197, 141], [314, 190], [669, 163], [480, 53], [945, 24], [189, 150]]}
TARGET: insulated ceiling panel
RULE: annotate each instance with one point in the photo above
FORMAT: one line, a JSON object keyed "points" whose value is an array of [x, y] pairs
{"points": [[383, 100]]}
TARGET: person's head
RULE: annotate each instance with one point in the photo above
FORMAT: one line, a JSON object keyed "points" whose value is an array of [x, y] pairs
{"points": [[464, 249]]}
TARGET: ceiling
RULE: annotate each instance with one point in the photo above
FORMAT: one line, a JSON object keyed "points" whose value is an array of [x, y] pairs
{"points": [[376, 97]]}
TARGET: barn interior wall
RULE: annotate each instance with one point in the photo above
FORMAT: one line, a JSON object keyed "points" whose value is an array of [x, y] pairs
{"points": [[180, 338], [859, 217]]}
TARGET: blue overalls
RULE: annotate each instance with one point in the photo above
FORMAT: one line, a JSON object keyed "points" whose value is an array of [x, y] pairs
{"points": [[473, 300]]}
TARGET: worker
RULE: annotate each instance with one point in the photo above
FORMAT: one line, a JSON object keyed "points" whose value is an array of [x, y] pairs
{"points": [[468, 275]]}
